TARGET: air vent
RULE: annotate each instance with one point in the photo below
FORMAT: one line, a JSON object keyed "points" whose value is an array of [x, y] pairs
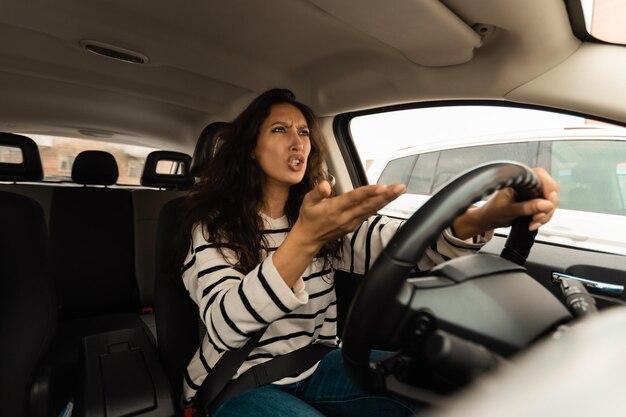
{"points": [[114, 52]]}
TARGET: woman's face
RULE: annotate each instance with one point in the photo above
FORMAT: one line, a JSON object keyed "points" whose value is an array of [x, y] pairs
{"points": [[283, 146]]}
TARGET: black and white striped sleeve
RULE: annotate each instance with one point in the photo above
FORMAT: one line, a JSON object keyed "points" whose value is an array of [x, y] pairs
{"points": [[232, 305], [362, 247]]}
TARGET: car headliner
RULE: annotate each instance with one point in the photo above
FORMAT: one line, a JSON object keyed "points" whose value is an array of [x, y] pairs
{"points": [[208, 59]]}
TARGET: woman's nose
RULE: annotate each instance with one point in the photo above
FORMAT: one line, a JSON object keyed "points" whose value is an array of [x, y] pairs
{"points": [[296, 143]]}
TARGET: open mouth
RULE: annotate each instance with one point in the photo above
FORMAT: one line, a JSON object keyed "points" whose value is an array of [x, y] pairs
{"points": [[296, 162]]}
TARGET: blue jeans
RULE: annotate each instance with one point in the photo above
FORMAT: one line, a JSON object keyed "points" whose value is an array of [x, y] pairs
{"points": [[328, 392]]}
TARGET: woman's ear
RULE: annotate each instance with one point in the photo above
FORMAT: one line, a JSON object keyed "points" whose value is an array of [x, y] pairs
{"points": [[331, 180]]}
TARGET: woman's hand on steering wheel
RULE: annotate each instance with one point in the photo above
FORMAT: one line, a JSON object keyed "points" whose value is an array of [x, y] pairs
{"points": [[502, 208]]}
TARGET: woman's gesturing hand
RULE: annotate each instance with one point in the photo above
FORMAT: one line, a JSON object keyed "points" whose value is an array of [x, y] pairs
{"points": [[324, 218]]}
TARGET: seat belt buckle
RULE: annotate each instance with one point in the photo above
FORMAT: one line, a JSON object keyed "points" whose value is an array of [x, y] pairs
{"points": [[190, 412]]}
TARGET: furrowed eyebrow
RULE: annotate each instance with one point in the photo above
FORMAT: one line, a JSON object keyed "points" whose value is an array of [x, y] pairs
{"points": [[285, 124], [281, 123]]}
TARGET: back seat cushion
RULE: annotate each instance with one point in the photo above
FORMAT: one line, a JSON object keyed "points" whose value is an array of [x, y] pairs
{"points": [[91, 234]]}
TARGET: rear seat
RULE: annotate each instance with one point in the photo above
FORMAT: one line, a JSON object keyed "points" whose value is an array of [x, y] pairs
{"points": [[91, 237], [92, 263], [95, 234]]}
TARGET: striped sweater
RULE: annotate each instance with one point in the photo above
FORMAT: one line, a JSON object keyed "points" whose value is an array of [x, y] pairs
{"points": [[233, 306]]}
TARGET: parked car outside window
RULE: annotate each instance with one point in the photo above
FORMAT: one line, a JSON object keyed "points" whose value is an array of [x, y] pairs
{"points": [[588, 161]]}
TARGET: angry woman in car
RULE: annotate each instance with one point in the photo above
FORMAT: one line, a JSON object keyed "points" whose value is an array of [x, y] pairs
{"points": [[265, 233]]}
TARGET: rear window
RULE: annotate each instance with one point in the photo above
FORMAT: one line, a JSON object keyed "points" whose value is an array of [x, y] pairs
{"points": [[58, 154], [10, 155]]}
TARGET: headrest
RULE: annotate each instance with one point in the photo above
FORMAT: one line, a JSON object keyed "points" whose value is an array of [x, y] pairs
{"points": [[208, 142], [29, 169], [153, 175], [95, 168]]}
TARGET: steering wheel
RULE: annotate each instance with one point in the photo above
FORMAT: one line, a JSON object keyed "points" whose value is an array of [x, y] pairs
{"points": [[387, 303]]}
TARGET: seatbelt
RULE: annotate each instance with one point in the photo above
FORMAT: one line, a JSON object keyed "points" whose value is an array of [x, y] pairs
{"points": [[218, 386], [290, 365], [222, 373]]}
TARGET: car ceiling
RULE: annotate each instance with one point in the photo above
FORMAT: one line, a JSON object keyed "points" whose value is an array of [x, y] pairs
{"points": [[207, 59]]}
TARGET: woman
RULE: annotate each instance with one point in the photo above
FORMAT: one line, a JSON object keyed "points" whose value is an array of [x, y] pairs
{"points": [[266, 234]]}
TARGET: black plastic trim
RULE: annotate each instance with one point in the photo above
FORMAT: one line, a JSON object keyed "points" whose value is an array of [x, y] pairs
{"points": [[151, 178], [341, 129], [30, 169]]}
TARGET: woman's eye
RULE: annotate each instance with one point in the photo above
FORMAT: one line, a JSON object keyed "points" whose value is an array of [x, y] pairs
{"points": [[304, 132], [278, 129]]}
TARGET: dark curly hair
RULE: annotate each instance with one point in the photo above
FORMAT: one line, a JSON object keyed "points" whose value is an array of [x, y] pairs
{"points": [[227, 198]]}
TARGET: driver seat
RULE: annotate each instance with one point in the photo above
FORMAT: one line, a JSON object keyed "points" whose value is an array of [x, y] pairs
{"points": [[179, 329]]}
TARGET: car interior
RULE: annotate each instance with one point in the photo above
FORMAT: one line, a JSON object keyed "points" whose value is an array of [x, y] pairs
{"points": [[94, 317]]}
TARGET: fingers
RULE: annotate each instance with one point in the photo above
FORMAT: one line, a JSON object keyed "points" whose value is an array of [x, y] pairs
{"points": [[352, 208], [543, 210], [366, 201], [539, 209], [544, 216], [548, 183], [368, 194], [501, 210], [324, 218]]}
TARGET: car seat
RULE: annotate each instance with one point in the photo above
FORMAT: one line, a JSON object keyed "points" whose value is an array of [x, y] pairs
{"points": [[27, 302], [176, 314]]}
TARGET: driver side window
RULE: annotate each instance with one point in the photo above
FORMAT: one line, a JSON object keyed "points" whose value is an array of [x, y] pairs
{"points": [[586, 158]]}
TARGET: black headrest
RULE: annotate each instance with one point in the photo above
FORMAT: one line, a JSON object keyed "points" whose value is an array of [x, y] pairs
{"points": [[181, 179], [30, 168], [207, 144], [95, 168]]}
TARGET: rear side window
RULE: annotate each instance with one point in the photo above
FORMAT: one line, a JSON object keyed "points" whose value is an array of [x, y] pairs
{"points": [[421, 181], [434, 169], [397, 170], [10, 155], [454, 161]]}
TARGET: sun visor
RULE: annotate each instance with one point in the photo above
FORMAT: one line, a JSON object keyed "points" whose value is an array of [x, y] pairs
{"points": [[425, 31]]}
